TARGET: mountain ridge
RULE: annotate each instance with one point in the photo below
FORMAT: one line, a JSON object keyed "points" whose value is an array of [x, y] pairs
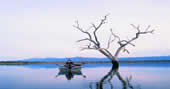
{"points": [[53, 59]]}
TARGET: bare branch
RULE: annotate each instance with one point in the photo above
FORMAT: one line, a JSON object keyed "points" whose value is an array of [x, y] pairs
{"points": [[95, 36], [89, 28], [147, 28], [125, 50], [83, 39], [87, 48], [79, 28], [96, 29], [115, 36], [112, 40], [137, 28], [89, 35], [134, 38], [109, 42], [87, 40], [105, 51], [125, 42]]}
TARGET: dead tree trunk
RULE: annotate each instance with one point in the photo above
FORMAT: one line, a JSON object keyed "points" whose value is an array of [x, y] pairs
{"points": [[94, 42]]}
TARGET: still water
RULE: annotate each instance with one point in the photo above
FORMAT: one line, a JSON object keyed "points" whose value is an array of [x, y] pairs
{"points": [[96, 76]]}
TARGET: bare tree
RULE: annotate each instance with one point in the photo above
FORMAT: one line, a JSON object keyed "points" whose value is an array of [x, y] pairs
{"points": [[94, 42]]}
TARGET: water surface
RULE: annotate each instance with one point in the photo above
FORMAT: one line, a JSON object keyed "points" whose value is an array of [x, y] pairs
{"points": [[141, 76]]}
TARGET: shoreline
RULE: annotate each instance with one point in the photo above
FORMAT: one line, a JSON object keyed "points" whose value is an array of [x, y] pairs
{"points": [[81, 62]]}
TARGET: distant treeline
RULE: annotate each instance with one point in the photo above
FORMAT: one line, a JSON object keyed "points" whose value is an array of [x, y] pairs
{"points": [[88, 59], [81, 62]]}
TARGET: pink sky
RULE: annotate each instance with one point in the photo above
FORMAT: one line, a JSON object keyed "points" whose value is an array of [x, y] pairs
{"points": [[43, 28]]}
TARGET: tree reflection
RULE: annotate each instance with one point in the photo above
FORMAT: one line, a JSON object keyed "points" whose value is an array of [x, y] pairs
{"points": [[126, 83]]}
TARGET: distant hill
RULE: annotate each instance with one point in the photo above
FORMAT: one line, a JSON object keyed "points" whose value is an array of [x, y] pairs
{"points": [[65, 59], [154, 58]]}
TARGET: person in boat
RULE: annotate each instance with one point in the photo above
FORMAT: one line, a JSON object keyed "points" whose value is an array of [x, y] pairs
{"points": [[69, 64]]}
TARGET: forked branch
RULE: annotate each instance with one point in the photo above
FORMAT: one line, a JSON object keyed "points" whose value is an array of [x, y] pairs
{"points": [[112, 38], [124, 43], [85, 32], [90, 36], [96, 28]]}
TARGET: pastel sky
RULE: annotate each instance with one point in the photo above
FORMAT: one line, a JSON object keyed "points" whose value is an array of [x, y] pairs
{"points": [[43, 28]]}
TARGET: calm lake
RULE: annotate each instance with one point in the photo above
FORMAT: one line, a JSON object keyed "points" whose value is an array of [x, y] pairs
{"points": [[91, 76]]}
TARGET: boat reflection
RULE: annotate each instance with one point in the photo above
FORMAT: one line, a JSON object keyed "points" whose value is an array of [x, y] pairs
{"points": [[70, 73]]}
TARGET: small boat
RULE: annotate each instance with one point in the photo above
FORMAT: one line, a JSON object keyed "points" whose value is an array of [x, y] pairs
{"points": [[75, 67], [70, 73]]}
